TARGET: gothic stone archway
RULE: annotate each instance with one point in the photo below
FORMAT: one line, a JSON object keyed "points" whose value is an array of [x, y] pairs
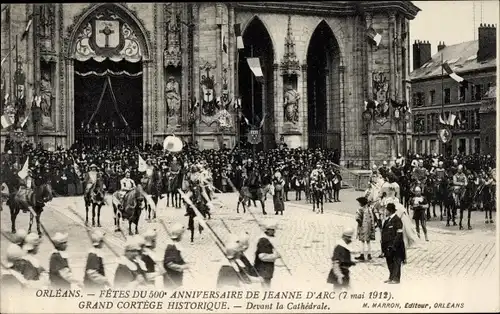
{"points": [[108, 33]]}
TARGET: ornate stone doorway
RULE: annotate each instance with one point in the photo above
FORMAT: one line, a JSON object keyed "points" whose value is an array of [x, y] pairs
{"points": [[257, 96], [108, 50], [323, 89], [108, 103]]}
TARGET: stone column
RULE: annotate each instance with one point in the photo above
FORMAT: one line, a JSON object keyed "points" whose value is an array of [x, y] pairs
{"points": [[146, 102], [69, 113], [342, 116], [278, 108], [196, 61], [159, 120], [305, 106], [369, 95], [186, 65], [393, 88]]}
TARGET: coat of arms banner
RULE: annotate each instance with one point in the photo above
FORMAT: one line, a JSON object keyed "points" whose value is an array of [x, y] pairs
{"points": [[107, 36]]}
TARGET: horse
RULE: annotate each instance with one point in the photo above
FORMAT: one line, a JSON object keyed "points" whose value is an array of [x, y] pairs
{"points": [[440, 197], [22, 199], [318, 193], [430, 193], [153, 187], [172, 182], [129, 207], [94, 197], [248, 194], [329, 186], [468, 201], [489, 202], [298, 185]]}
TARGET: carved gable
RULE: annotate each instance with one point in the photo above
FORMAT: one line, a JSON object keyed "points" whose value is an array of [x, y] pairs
{"points": [[106, 34]]}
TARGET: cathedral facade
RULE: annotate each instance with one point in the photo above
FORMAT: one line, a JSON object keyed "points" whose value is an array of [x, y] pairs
{"points": [[299, 73]]}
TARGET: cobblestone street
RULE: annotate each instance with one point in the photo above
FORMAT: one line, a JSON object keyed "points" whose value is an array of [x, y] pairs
{"points": [[305, 240]]}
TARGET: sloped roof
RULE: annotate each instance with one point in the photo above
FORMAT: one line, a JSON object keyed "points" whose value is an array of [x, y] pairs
{"points": [[461, 58]]}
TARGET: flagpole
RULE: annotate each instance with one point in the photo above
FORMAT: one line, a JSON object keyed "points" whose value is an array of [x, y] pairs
{"points": [[237, 94], [253, 101], [16, 91]]}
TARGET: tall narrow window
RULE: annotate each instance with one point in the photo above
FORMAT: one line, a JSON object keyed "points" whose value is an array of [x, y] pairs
{"points": [[461, 94], [432, 97], [447, 95]]}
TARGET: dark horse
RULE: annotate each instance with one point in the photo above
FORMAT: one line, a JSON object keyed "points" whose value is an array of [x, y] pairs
{"points": [[252, 190], [153, 186], [469, 201], [200, 202], [95, 198], [318, 193], [129, 207], [22, 199], [172, 181]]}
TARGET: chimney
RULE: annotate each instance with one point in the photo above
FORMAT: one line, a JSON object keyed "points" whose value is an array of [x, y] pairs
{"points": [[421, 53], [441, 45], [487, 42]]}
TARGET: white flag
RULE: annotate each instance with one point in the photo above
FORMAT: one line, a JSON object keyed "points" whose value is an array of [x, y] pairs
{"points": [[24, 171], [441, 120], [142, 164], [451, 119]]}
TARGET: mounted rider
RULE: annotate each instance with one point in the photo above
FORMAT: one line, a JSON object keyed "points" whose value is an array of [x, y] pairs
{"points": [[126, 184], [439, 172], [317, 175], [460, 181], [26, 185], [252, 178], [90, 178]]}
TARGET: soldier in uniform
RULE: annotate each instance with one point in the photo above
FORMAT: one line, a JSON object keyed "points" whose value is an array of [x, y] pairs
{"points": [[32, 271], [95, 277], [129, 274], [60, 274], [419, 175], [419, 205], [173, 263], [266, 255], [317, 174], [439, 172]]}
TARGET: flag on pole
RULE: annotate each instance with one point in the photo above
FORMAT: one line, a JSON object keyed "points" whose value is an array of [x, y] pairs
{"points": [[254, 64], [441, 120], [239, 38], [27, 29], [451, 119], [24, 171], [374, 36], [457, 78], [24, 122], [5, 58], [142, 164], [223, 38], [6, 121], [237, 103]]}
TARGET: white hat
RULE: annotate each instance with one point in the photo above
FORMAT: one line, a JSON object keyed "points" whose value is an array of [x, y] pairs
{"points": [[270, 225], [232, 247], [417, 156], [31, 241], [440, 163], [14, 253], [384, 163], [97, 236], [132, 244], [176, 230], [374, 167], [60, 238], [460, 167], [418, 189], [20, 235], [348, 232], [149, 236]]}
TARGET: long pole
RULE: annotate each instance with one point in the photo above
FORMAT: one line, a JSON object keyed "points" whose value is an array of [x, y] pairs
{"points": [[10, 59], [442, 99], [237, 94], [253, 100]]}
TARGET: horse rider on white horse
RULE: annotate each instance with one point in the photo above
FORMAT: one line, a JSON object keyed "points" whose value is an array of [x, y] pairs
{"points": [[459, 183]]}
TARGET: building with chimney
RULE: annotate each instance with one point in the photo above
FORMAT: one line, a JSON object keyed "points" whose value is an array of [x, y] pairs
{"points": [[147, 70], [436, 94]]}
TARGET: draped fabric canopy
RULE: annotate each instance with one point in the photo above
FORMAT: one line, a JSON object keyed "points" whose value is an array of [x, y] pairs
{"points": [[108, 94]]}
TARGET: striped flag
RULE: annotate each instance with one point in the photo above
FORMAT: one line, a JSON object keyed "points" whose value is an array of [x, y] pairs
{"points": [[374, 36], [457, 78], [239, 38], [27, 29], [254, 64]]}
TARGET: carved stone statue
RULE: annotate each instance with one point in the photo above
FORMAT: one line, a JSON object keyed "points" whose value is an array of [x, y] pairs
{"points": [[46, 103], [291, 104], [172, 95]]}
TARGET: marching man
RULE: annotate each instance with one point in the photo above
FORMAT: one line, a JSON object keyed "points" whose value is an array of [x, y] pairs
{"points": [[95, 277], [151, 260], [129, 274], [266, 255], [35, 275], [173, 262], [60, 274]]}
